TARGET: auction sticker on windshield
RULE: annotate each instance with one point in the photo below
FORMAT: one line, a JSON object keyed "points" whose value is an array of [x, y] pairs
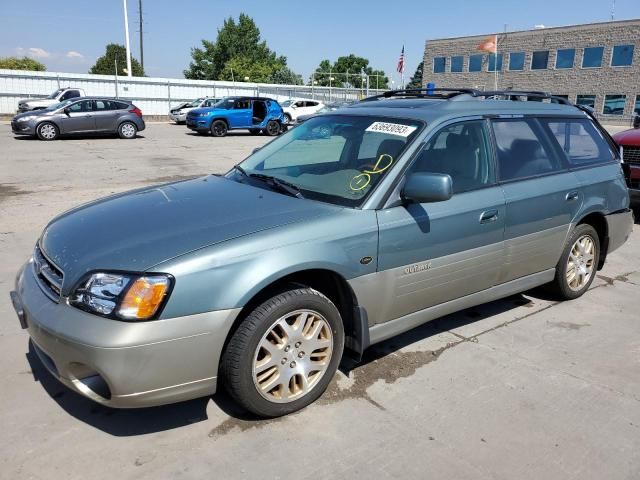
{"points": [[391, 128]]}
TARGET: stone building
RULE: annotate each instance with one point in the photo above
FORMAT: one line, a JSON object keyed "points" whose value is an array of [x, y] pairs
{"points": [[596, 64]]}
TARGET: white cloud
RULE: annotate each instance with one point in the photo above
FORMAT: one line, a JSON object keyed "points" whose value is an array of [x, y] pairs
{"points": [[38, 52], [74, 54]]}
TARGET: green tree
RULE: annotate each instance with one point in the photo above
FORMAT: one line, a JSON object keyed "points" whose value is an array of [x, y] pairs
{"points": [[238, 48], [24, 63], [416, 80], [106, 64], [347, 71]]}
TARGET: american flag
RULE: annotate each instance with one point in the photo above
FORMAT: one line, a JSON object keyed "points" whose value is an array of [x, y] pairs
{"points": [[401, 61]]}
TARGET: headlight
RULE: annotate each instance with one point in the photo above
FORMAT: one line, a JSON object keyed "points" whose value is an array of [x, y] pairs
{"points": [[26, 119], [128, 297]]}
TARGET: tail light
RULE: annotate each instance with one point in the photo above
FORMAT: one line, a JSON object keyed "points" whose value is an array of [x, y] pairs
{"points": [[136, 111]]}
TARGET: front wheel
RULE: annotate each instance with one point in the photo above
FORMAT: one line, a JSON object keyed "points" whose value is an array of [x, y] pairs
{"points": [[287, 118], [272, 129], [219, 128], [578, 263], [284, 353], [47, 131], [127, 130]]}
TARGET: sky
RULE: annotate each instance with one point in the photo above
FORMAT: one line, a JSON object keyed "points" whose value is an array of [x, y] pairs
{"points": [[69, 36]]}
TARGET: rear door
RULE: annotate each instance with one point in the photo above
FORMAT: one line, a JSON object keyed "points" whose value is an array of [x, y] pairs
{"points": [[241, 114], [80, 117], [543, 196], [106, 115], [432, 253]]}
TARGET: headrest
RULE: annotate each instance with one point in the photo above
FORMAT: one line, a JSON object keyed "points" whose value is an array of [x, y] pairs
{"points": [[390, 146]]}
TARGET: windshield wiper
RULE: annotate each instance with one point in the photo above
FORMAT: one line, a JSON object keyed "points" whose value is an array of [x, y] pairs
{"points": [[278, 184], [241, 170]]}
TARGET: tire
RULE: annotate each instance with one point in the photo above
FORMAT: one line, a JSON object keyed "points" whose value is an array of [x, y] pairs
{"points": [[272, 129], [47, 131], [219, 128], [287, 118], [578, 263], [127, 130], [254, 131], [274, 389]]}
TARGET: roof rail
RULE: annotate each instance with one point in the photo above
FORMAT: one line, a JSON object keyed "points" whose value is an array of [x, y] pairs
{"points": [[444, 93], [448, 93]]}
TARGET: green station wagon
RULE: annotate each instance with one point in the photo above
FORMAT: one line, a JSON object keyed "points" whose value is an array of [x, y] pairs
{"points": [[351, 228]]}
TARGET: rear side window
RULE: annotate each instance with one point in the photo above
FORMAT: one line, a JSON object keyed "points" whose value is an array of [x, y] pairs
{"points": [[522, 151], [580, 140], [70, 94]]}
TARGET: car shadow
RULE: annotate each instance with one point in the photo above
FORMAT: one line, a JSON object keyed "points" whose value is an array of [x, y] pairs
{"points": [[75, 137], [229, 134], [140, 421]]}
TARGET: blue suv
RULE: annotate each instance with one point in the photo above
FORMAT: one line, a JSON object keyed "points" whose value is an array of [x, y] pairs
{"points": [[231, 113]]}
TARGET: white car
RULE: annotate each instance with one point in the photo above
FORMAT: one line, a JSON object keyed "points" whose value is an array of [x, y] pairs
{"points": [[179, 114], [294, 108], [58, 96]]}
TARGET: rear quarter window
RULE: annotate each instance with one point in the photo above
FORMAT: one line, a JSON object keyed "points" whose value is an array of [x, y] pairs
{"points": [[580, 140]]}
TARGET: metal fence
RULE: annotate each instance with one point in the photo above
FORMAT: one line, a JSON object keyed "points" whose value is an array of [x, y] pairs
{"points": [[155, 96]]}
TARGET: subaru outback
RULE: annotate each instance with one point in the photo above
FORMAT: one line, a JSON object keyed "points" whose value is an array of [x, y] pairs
{"points": [[357, 225]]}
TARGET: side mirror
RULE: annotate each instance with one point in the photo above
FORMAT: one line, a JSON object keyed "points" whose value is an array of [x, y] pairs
{"points": [[636, 121], [294, 105], [257, 149], [427, 188], [67, 111]]}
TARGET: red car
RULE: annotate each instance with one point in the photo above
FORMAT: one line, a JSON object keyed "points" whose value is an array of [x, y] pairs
{"points": [[629, 141]]}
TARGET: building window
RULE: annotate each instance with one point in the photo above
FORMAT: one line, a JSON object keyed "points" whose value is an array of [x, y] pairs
{"points": [[516, 61], [540, 60], [457, 63], [636, 109], [592, 57], [565, 57], [566, 97], [439, 64], [475, 63], [586, 100], [622, 56], [614, 104], [492, 62]]}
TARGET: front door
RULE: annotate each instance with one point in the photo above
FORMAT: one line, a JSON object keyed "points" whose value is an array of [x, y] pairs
{"points": [[435, 252], [241, 114], [542, 196], [80, 117]]}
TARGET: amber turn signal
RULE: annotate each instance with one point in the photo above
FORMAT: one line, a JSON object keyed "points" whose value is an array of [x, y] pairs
{"points": [[143, 298]]}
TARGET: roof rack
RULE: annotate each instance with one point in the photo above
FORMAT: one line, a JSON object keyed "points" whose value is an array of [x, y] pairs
{"points": [[449, 93]]}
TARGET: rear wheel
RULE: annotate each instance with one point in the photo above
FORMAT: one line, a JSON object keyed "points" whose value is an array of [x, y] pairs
{"points": [[284, 353], [47, 131], [578, 264], [272, 129], [127, 130], [219, 128]]}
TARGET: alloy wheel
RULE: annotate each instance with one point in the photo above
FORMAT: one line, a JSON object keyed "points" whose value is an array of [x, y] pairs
{"points": [[292, 356], [128, 130], [581, 263], [48, 131]]}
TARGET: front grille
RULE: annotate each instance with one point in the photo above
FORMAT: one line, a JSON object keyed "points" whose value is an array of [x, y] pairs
{"points": [[49, 276], [631, 155]]}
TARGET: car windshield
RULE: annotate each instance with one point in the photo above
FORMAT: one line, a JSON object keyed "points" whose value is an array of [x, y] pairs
{"points": [[337, 159], [196, 102], [225, 103], [286, 103], [61, 104], [55, 94]]}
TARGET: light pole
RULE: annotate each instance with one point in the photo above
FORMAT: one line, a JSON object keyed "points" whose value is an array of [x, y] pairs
{"points": [[126, 37]]}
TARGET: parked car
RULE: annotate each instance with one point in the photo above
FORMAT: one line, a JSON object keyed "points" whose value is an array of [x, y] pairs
{"points": [[85, 115], [295, 108], [60, 95], [629, 142], [232, 113], [329, 107], [349, 229], [179, 114]]}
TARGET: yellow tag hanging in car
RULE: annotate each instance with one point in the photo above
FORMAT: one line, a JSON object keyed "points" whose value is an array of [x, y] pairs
{"points": [[362, 180]]}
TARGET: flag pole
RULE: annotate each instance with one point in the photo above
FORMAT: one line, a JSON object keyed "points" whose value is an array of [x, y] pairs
{"points": [[495, 70], [404, 63]]}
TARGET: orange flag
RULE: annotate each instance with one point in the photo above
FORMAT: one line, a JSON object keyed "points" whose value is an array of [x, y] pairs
{"points": [[489, 44]]}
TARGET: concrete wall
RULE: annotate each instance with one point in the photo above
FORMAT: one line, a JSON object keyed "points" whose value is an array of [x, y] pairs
{"points": [[154, 96], [572, 82]]}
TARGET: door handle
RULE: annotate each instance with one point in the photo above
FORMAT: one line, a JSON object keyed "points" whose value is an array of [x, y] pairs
{"points": [[569, 197], [489, 216]]}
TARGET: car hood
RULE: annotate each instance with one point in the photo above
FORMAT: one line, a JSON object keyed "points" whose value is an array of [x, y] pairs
{"points": [[39, 101], [32, 113], [200, 111], [629, 137], [136, 230]]}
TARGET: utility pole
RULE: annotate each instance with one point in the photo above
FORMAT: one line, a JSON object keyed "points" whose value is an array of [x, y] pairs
{"points": [[141, 39], [126, 38]]}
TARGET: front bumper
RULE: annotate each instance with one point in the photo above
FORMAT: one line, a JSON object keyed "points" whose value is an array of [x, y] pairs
{"points": [[123, 364], [198, 123], [23, 128], [178, 117]]}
